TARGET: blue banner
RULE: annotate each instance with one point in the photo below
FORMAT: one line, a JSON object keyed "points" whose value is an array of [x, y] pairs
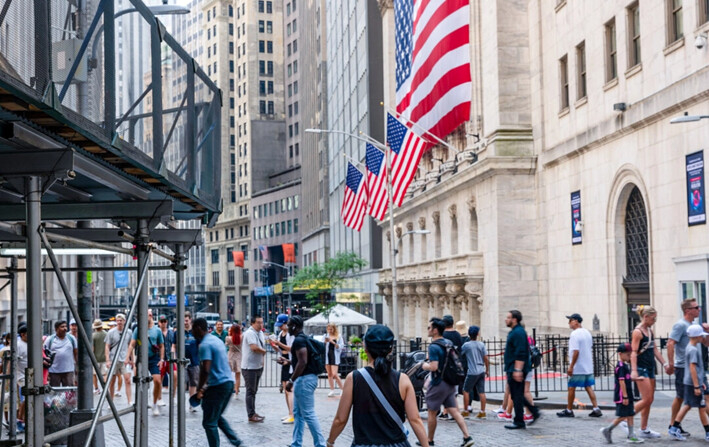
{"points": [[120, 279], [696, 209], [263, 291], [576, 237], [172, 301]]}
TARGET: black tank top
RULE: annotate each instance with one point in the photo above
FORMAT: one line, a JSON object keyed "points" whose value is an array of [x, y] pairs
{"points": [[371, 423], [646, 351], [284, 354]]}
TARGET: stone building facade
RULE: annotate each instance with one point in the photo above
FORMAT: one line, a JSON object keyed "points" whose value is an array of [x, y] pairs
{"points": [[568, 98]]}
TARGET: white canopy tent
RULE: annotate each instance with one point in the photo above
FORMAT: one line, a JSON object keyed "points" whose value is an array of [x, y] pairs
{"points": [[341, 316]]}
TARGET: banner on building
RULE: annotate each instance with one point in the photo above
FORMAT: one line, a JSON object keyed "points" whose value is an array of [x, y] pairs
{"points": [[288, 253], [576, 237], [120, 279], [238, 258], [696, 210]]}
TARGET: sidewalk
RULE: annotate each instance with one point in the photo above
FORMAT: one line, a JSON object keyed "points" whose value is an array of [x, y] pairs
{"points": [[557, 399]]}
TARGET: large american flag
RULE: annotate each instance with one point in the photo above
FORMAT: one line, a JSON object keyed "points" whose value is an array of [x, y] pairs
{"points": [[377, 182], [433, 81], [354, 206], [406, 151]]}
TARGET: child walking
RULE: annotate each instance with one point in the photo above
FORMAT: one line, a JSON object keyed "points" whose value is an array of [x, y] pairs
{"points": [[624, 409], [694, 384]]}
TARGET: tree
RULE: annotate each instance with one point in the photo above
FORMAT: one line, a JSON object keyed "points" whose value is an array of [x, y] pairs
{"points": [[321, 279]]}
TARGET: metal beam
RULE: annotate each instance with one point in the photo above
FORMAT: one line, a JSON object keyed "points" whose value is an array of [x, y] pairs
{"points": [[142, 374], [58, 163], [107, 176], [103, 235], [92, 210], [180, 291]]}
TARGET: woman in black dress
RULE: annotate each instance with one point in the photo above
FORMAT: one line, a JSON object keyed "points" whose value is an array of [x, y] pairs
{"points": [[333, 348]]}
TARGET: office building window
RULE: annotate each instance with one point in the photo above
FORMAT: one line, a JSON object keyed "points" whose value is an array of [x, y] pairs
{"points": [[261, 46], [230, 254], [269, 47], [674, 21], [634, 35], [269, 65], [261, 26], [611, 52], [231, 29], [215, 256], [261, 4], [269, 27], [262, 88], [295, 225], [269, 7], [270, 87], [703, 12], [215, 278], [564, 83], [230, 277]]}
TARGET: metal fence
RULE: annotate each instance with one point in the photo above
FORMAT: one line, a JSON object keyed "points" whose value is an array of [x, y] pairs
{"points": [[549, 377]]}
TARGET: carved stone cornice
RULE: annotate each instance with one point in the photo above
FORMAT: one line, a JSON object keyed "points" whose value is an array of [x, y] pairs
{"points": [[422, 223], [473, 288], [422, 289], [453, 288], [409, 289], [436, 216], [409, 226], [472, 203], [452, 211], [480, 304], [437, 288], [384, 5], [398, 232]]}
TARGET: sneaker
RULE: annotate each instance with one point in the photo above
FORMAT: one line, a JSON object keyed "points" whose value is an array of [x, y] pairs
{"points": [[192, 409], [634, 440], [118, 394], [156, 411], [499, 410], [504, 416], [288, 420], [481, 415], [465, 414], [565, 413], [595, 414], [686, 434], [624, 426], [706, 437], [648, 434], [445, 417], [165, 390], [429, 443], [467, 442], [20, 427], [607, 435], [528, 417], [97, 391], [674, 432], [535, 417], [331, 393], [161, 403]]}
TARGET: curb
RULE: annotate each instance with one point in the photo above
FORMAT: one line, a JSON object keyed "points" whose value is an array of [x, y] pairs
{"points": [[544, 404]]}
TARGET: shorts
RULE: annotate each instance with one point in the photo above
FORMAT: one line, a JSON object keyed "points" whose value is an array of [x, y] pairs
{"points": [[692, 399], [121, 368], [474, 383], [102, 368], [623, 411], [582, 380], [153, 366], [192, 376], [679, 383], [285, 373], [439, 395], [529, 377], [646, 372]]}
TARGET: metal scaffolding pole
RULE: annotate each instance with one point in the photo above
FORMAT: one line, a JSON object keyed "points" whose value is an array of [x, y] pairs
{"points": [[180, 352], [34, 380], [13, 347], [142, 378]]}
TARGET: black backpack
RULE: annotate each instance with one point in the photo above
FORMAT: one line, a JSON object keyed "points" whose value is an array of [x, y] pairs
{"points": [[316, 354], [451, 371], [535, 356]]}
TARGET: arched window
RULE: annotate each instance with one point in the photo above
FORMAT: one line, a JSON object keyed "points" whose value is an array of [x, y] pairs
{"points": [[636, 240], [454, 235], [473, 230]]}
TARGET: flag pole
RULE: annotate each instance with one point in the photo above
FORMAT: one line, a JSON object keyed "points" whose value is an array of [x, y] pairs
{"points": [[422, 130], [394, 297], [355, 163]]}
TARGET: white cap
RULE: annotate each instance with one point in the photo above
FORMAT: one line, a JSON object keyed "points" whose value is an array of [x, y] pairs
{"points": [[696, 330]]}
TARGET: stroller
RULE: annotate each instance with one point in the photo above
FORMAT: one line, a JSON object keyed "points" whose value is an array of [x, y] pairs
{"points": [[412, 363]]}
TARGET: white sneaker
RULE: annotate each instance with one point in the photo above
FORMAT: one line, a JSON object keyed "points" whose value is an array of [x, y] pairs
{"points": [[192, 409], [165, 390], [156, 411], [648, 434], [500, 410], [118, 394], [161, 403], [624, 426], [150, 405], [331, 393]]}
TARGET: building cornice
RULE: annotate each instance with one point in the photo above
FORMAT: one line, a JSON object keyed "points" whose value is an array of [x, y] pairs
{"points": [[384, 5]]}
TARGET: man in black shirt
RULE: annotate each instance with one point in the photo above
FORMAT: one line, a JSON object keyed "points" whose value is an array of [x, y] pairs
{"points": [[451, 334], [303, 383], [517, 365]]}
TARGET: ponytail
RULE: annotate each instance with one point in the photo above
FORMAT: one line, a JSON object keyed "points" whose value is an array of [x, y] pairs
{"points": [[382, 364]]}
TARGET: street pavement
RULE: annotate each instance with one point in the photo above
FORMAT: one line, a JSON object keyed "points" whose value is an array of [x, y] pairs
{"points": [[549, 431]]}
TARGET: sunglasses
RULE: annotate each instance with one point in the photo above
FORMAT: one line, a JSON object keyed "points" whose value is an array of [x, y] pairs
{"points": [[695, 307]]}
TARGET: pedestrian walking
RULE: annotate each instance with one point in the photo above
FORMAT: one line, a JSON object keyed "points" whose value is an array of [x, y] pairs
{"points": [[168, 371], [439, 392], [119, 354], [303, 383], [98, 340], [695, 383], [475, 356], [219, 331], [20, 374], [580, 371], [380, 399], [642, 361], [233, 344], [156, 353], [192, 354], [253, 351], [333, 350], [215, 385], [676, 345], [283, 342], [517, 365], [622, 396], [63, 346]]}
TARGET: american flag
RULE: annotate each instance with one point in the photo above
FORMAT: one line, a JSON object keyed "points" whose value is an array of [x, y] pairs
{"points": [[433, 81], [377, 182], [406, 150], [354, 207]]}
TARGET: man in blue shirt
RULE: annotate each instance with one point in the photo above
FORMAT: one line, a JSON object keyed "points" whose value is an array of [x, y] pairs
{"points": [[156, 353], [517, 365], [214, 372]]}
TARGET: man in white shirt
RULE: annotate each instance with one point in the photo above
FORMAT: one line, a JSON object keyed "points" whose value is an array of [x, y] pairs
{"points": [[253, 350], [580, 372], [63, 345]]}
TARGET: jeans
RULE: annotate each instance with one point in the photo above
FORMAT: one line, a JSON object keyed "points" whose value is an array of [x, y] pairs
{"points": [[215, 400], [518, 399], [251, 379], [304, 411]]}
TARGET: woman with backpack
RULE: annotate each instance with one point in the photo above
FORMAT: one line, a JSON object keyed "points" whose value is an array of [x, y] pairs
{"points": [[380, 398]]}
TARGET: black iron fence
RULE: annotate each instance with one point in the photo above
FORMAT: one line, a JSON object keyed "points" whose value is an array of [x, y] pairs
{"points": [[550, 376]]}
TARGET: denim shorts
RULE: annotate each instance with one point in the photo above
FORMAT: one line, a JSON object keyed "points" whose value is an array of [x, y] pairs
{"points": [[645, 372], [691, 399]]}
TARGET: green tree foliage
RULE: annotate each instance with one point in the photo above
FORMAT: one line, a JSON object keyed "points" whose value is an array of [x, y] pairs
{"points": [[321, 279]]}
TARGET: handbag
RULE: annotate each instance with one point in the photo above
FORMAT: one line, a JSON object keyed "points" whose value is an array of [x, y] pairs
{"points": [[382, 400]]}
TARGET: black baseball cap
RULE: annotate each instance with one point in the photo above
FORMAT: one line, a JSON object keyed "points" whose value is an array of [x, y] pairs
{"points": [[624, 347], [576, 317], [379, 336]]}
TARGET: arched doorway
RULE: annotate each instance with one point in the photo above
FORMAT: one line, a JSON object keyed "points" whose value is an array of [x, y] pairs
{"points": [[636, 280]]}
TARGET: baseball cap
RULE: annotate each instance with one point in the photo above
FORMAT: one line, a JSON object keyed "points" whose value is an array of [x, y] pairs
{"points": [[281, 320], [624, 347], [576, 317], [22, 329], [73, 321], [696, 330], [379, 336], [473, 331], [162, 317]]}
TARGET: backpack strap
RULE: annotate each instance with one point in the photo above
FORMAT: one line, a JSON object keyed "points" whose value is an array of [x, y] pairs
{"points": [[51, 340], [382, 400]]}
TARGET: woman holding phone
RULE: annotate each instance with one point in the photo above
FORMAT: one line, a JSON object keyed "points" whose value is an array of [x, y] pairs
{"points": [[333, 349]]}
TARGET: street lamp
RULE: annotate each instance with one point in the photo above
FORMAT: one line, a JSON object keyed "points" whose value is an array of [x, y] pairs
{"points": [[288, 275], [688, 118], [396, 251]]}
